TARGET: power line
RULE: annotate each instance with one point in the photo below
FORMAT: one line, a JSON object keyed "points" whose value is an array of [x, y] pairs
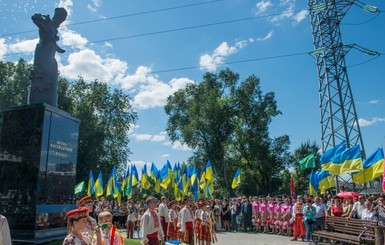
{"points": [[169, 31], [123, 16]]}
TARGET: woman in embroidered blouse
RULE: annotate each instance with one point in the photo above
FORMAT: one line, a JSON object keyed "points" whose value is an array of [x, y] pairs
{"points": [[77, 221]]}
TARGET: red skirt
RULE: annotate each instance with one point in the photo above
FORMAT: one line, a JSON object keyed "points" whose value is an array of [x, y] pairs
{"points": [[205, 234], [172, 231]]}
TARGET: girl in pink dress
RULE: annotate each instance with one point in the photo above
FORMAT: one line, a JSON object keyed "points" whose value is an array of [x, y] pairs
{"points": [[256, 217], [263, 214], [270, 211], [286, 215], [278, 215]]}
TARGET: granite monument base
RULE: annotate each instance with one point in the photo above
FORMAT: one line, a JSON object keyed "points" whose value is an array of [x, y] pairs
{"points": [[38, 152]]}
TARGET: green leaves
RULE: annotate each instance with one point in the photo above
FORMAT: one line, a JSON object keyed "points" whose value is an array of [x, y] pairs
{"points": [[226, 120]]}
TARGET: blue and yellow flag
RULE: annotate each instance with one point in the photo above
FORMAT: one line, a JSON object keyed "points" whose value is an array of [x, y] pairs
{"points": [[325, 181], [326, 158], [111, 182], [348, 161], [91, 184], [153, 172], [125, 181], [134, 175], [373, 167], [144, 181], [236, 179], [99, 189], [313, 184], [209, 172]]}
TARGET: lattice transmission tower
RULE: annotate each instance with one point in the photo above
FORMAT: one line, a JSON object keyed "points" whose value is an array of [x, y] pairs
{"points": [[339, 119]]}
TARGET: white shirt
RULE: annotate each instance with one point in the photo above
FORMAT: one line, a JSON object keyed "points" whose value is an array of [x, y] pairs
{"points": [[234, 209], [367, 215], [147, 226], [163, 211], [5, 235], [185, 216], [358, 208]]}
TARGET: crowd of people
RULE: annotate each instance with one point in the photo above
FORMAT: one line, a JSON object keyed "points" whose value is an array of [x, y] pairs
{"points": [[190, 221]]}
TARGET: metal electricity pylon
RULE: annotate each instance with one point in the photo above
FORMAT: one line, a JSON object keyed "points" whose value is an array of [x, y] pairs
{"points": [[339, 119]]}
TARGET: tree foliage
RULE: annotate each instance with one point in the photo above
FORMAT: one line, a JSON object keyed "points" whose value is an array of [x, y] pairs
{"points": [[106, 115], [227, 121]]}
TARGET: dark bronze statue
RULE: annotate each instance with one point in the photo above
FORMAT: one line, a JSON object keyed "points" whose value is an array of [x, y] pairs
{"points": [[44, 75]]}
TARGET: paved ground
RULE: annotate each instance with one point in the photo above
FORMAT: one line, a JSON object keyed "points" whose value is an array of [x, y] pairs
{"points": [[243, 238]]}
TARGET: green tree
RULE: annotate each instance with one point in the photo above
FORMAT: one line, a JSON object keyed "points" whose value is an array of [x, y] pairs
{"points": [[201, 117], [226, 120]]}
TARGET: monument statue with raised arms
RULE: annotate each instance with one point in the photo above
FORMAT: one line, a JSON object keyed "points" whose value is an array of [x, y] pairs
{"points": [[44, 75]]}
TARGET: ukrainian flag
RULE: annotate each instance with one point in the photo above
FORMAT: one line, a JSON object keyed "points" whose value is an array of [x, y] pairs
{"points": [[99, 185], [373, 167], [91, 184], [209, 172], [236, 179], [348, 161], [313, 184], [144, 180], [325, 181], [326, 158], [134, 175]]}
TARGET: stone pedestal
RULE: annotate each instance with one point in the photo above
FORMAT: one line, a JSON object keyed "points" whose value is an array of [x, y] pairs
{"points": [[38, 152]]}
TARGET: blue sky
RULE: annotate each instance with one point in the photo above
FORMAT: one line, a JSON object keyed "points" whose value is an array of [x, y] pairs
{"points": [[143, 46]]}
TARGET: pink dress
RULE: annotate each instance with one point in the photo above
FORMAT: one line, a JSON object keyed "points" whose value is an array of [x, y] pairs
{"points": [[270, 211], [263, 211], [278, 215]]}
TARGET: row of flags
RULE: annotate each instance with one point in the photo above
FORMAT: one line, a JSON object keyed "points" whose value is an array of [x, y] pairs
{"points": [[181, 179], [341, 160]]}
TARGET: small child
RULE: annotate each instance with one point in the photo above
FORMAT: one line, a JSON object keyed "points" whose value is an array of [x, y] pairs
{"points": [[108, 230], [131, 219]]}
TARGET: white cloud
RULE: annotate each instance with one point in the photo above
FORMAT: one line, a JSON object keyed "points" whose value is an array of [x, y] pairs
{"points": [[91, 66], [3, 48], [286, 8], [143, 137], [25, 46], [149, 137], [364, 122], [374, 102], [177, 145], [153, 93], [91, 8], [300, 16], [268, 36], [94, 5], [72, 38], [166, 155], [211, 62], [262, 6]]}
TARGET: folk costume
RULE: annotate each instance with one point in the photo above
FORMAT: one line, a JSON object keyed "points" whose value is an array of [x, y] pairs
{"points": [[298, 225], [186, 224], [88, 203], [172, 229], [163, 213], [205, 227], [75, 233], [198, 219], [151, 228]]}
